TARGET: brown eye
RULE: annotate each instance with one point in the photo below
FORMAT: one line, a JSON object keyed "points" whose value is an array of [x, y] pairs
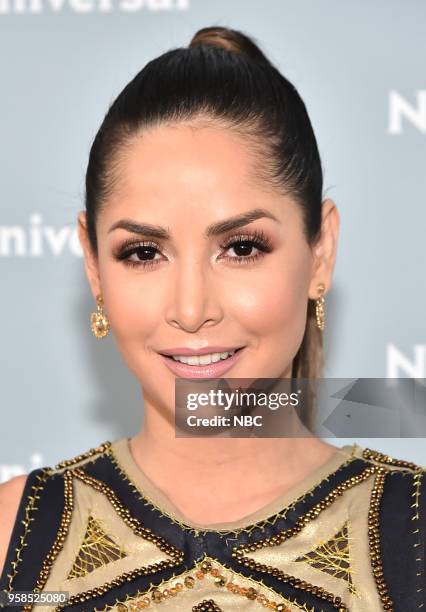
{"points": [[138, 254], [243, 246], [143, 253]]}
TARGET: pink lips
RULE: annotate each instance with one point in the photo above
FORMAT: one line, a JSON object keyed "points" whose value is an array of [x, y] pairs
{"points": [[212, 370]]}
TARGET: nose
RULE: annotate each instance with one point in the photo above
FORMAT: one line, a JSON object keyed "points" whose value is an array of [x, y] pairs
{"points": [[194, 299]]}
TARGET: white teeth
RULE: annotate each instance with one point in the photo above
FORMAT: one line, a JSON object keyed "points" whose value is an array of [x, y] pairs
{"points": [[202, 359]]}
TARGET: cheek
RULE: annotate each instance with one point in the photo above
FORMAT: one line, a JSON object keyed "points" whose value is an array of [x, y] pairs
{"points": [[273, 304], [132, 311]]}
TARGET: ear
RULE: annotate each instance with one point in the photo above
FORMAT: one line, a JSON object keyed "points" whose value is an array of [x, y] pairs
{"points": [[90, 259], [324, 250]]}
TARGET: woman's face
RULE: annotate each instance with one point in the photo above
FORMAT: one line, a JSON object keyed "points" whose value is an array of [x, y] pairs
{"points": [[198, 288]]}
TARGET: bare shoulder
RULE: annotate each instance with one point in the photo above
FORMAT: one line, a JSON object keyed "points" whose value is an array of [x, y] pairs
{"points": [[10, 496]]}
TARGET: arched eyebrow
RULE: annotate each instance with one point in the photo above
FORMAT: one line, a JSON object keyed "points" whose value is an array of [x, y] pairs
{"points": [[215, 229]]}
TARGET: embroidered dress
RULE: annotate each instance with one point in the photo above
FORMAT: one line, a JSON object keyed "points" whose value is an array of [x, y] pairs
{"points": [[350, 537]]}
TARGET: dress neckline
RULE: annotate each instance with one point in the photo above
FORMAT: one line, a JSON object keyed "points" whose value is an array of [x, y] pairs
{"points": [[122, 456]]}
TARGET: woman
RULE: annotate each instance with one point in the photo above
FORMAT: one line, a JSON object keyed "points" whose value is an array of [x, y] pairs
{"points": [[204, 213]]}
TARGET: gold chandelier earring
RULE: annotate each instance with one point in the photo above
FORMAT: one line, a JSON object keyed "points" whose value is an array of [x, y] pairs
{"points": [[99, 321], [319, 307]]}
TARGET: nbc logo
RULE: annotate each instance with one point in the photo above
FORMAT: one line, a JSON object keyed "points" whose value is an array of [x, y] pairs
{"points": [[400, 108], [398, 364]]}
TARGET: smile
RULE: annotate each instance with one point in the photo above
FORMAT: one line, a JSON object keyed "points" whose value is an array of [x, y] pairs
{"points": [[210, 365], [203, 359]]}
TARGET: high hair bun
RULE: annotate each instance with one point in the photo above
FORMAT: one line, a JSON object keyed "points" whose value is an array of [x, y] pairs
{"points": [[231, 40]]}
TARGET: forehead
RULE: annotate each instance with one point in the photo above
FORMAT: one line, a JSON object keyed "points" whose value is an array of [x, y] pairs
{"points": [[190, 170], [186, 155]]}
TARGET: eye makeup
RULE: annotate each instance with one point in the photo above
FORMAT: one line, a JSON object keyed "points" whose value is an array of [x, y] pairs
{"points": [[142, 253]]}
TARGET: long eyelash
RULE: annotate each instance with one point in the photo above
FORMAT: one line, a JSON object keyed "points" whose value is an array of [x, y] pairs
{"points": [[129, 247], [256, 237]]}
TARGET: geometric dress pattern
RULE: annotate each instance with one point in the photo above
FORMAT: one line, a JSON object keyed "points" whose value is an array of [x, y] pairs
{"points": [[97, 549], [333, 557]]}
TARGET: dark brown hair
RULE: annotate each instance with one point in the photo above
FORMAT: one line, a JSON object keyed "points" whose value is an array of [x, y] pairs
{"points": [[225, 76]]}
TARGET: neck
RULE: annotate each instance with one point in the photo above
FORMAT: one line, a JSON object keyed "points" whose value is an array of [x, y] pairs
{"points": [[208, 462]]}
